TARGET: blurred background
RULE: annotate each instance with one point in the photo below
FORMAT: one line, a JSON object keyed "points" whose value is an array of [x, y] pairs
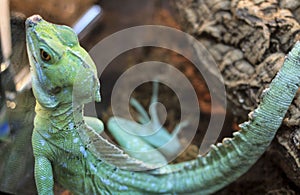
{"points": [[94, 20]]}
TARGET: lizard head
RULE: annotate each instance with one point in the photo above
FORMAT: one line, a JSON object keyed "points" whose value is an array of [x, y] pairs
{"points": [[62, 71]]}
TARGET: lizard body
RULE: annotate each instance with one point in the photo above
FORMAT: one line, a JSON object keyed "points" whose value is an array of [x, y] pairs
{"points": [[69, 150]]}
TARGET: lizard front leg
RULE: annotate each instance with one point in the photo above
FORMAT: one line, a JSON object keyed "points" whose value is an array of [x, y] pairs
{"points": [[43, 172], [43, 175]]}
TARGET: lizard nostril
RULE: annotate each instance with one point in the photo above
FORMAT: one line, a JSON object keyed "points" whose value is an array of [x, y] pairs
{"points": [[29, 23]]}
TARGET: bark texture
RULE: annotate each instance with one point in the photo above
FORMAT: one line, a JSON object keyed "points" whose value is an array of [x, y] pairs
{"points": [[249, 39]]}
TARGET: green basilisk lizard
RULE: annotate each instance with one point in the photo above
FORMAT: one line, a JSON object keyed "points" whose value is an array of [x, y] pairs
{"points": [[68, 149]]}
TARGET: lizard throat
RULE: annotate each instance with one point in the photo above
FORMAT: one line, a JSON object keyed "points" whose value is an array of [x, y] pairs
{"points": [[64, 117]]}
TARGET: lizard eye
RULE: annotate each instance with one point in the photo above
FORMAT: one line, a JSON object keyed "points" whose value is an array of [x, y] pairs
{"points": [[45, 56]]}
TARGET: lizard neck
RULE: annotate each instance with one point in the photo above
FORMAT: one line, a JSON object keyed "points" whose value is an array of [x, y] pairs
{"points": [[60, 118]]}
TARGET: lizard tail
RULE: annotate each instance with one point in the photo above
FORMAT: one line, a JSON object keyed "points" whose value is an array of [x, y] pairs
{"points": [[224, 163], [234, 156]]}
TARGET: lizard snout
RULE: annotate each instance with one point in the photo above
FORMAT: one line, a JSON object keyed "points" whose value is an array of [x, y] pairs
{"points": [[33, 20]]}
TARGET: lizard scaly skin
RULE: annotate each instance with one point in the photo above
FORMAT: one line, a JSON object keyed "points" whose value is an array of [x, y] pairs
{"points": [[69, 150]]}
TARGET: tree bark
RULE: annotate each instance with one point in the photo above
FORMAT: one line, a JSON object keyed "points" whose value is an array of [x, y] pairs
{"points": [[249, 39]]}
